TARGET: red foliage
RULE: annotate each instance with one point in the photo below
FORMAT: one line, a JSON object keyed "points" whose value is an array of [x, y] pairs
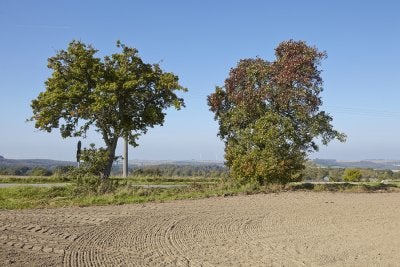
{"points": [[291, 82]]}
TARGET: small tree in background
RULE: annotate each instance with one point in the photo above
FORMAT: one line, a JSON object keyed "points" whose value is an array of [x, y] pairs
{"points": [[269, 114], [352, 175], [120, 95]]}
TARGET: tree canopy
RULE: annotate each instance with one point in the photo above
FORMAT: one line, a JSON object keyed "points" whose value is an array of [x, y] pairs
{"points": [[119, 95], [269, 114]]}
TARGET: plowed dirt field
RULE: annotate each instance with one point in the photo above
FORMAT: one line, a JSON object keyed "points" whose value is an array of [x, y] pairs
{"points": [[290, 229]]}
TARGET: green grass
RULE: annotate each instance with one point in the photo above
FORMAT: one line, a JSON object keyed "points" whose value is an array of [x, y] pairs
{"points": [[41, 197], [32, 179], [22, 197], [141, 180]]}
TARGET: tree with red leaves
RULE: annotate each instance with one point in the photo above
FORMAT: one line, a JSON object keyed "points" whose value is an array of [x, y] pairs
{"points": [[269, 114]]}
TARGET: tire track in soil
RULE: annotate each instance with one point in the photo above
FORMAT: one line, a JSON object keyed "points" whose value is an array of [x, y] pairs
{"points": [[41, 233], [175, 240], [292, 229]]}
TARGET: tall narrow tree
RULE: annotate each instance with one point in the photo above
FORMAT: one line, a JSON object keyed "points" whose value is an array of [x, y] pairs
{"points": [[120, 95]]}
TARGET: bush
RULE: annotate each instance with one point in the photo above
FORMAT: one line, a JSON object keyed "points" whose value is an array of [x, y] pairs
{"points": [[88, 183], [352, 175], [93, 185], [62, 171], [94, 160], [39, 171]]}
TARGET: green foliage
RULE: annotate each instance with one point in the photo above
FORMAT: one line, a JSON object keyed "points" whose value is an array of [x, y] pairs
{"points": [[93, 185], [39, 171], [269, 114], [315, 173], [15, 170], [170, 170], [352, 175], [61, 172], [120, 95], [262, 155], [94, 161], [388, 175], [345, 187]]}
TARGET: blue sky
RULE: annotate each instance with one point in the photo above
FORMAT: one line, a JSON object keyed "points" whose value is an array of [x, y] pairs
{"points": [[200, 41]]}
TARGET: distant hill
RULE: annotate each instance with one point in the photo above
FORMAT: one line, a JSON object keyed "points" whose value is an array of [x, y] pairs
{"points": [[50, 164], [45, 163], [379, 164], [333, 163]]}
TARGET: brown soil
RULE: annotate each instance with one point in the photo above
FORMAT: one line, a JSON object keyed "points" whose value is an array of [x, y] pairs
{"points": [[291, 229]]}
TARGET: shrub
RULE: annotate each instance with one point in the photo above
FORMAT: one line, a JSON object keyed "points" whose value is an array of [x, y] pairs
{"points": [[352, 175], [39, 171]]}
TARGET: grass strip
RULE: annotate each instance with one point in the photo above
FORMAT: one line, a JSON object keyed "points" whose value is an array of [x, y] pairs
{"points": [[23, 197]]}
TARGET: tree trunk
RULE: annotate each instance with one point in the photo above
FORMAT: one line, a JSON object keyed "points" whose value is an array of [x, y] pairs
{"points": [[111, 157]]}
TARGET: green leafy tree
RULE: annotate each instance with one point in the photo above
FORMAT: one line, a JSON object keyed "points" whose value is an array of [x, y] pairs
{"points": [[119, 95], [352, 175], [269, 114]]}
